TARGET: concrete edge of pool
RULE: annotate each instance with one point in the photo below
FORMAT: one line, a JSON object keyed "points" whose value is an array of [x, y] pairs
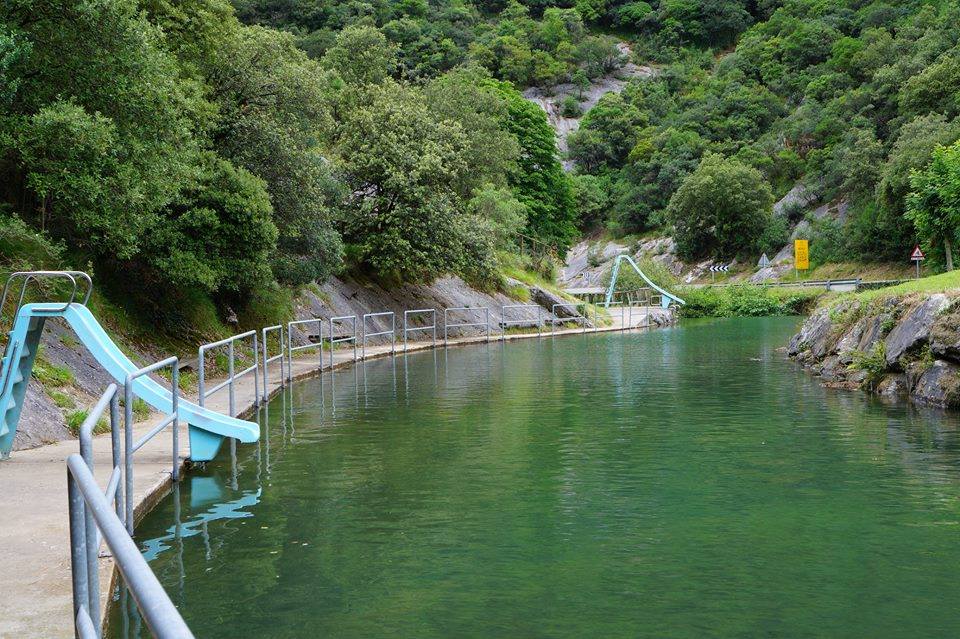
{"points": [[39, 575]]}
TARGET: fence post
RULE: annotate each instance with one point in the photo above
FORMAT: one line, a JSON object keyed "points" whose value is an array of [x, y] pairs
{"points": [[78, 547], [201, 386], [115, 443], [256, 373], [290, 352], [230, 391], [266, 366], [128, 451], [175, 391]]}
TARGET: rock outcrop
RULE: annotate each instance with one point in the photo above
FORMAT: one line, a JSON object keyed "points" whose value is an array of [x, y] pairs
{"points": [[896, 347]]}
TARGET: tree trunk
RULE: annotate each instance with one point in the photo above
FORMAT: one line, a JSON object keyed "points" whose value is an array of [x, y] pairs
{"points": [[949, 252]]}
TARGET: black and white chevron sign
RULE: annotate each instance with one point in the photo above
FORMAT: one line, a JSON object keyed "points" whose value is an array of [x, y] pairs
{"points": [[720, 268]]}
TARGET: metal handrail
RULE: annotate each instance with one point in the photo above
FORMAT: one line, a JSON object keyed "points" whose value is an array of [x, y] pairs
{"points": [[348, 338], [130, 447], [392, 332], [414, 329], [505, 323], [232, 375], [291, 349], [447, 325], [113, 493], [268, 360], [580, 316], [29, 276], [89, 508]]}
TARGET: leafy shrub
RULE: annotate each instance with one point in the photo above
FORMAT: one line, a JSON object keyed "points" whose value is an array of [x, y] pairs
{"points": [[744, 301], [570, 107], [873, 363]]}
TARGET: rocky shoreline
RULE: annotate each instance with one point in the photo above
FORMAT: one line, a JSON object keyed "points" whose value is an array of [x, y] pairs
{"points": [[899, 347]]}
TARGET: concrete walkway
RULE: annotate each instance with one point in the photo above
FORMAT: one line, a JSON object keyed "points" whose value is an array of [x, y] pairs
{"points": [[34, 533]]}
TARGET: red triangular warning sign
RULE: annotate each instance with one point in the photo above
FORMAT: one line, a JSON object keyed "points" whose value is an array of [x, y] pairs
{"points": [[917, 254]]}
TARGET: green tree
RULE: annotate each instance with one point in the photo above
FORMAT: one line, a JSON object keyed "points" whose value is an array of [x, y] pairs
{"points": [[403, 165], [273, 104], [722, 209], [934, 201], [217, 235], [607, 134], [538, 180], [504, 214], [361, 55], [101, 125]]}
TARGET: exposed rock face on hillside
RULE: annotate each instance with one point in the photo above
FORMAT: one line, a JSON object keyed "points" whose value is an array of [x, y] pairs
{"points": [[897, 347], [588, 263], [550, 99]]}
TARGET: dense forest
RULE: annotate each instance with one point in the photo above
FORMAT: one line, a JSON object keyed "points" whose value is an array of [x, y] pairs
{"points": [[195, 145]]}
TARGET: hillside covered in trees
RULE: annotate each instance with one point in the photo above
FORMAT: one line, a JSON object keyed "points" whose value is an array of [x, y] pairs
{"points": [[206, 148]]}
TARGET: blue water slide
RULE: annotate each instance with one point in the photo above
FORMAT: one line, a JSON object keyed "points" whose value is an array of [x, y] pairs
{"points": [[666, 298], [207, 428]]}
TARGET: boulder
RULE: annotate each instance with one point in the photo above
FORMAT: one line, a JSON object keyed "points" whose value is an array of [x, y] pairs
{"points": [[546, 299], [945, 337], [831, 370], [939, 384], [893, 386], [814, 336], [913, 329], [850, 342]]}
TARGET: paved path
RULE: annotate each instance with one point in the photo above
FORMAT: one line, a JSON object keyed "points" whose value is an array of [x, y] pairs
{"points": [[36, 599]]}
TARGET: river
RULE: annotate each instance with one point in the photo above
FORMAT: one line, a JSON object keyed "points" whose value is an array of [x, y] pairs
{"points": [[689, 482]]}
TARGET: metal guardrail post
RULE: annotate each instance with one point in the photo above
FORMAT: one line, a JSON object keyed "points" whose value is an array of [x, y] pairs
{"points": [[159, 613], [407, 329], [130, 447], [291, 349], [232, 375], [231, 395], [392, 332], [335, 340], [267, 360]]}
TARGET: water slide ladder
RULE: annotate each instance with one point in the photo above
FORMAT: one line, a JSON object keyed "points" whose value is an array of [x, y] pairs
{"points": [[207, 428], [666, 298]]}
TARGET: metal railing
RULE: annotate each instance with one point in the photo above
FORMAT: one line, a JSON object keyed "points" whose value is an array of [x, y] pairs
{"points": [[505, 323], [31, 276], [291, 349], [581, 317], [130, 447], [392, 332], [267, 360], [90, 518], [232, 375], [461, 309], [413, 329], [346, 338]]}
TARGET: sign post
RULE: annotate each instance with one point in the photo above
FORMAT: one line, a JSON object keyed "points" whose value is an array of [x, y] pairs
{"points": [[801, 256], [916, 257]]}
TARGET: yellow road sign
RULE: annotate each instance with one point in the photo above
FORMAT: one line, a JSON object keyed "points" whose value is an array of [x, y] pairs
{"points": [[801, 254]]}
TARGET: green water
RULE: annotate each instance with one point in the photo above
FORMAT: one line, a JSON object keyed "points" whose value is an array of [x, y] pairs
{"points": [[679, 483]]}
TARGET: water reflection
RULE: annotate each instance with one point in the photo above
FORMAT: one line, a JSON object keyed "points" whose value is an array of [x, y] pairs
{"points": [[634, 484]]}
